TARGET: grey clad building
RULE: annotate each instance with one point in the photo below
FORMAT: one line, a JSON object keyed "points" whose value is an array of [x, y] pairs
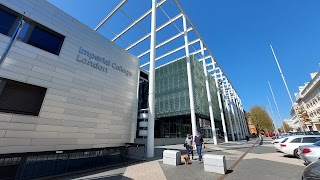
{"points": [[71, 99], [62, 85]]}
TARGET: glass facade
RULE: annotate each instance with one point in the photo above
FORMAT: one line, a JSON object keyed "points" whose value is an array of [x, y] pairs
{"points": [[172, 92], [173, 127], [172, 105], [143, 95]]}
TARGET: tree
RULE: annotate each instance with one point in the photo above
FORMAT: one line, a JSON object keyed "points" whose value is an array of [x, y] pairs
{"points": [[303, 114], [261, 119], [286, 127]]}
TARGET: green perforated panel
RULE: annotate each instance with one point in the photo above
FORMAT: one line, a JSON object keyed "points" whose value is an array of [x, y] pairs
{"points": [[172, 92]]}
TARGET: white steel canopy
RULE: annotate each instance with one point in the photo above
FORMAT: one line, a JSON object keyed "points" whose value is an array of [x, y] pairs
{"points": [[169, 43], [175, 37]]}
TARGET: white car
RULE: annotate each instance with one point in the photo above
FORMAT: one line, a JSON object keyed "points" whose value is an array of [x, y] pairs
{"points": [[309, 153], [291, 144], [276, 143]]}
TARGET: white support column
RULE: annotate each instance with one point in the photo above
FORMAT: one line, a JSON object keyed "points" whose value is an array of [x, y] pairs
{"points": [[240, 118], [244, 123], [244, 119], [233, 113], [151, 97], [224, 128], [192, 109], [227, 106], [213, 126], [237, 115]]}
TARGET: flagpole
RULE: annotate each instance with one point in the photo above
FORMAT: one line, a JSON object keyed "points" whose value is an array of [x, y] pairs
{"points": [[274, 122], [275, 102], [12, 40], [285, 84]]}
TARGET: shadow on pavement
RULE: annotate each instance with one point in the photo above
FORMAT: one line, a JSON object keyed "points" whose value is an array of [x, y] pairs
{"points": [[110, 177], [229, 171], [290, 156], [82, 174], [119, 176]]}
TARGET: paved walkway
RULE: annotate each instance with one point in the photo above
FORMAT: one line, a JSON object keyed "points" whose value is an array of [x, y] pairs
{"points": [[155, 169], [264, 163], [148, 170]]}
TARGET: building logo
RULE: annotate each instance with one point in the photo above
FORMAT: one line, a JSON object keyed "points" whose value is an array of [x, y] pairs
{"points": [[100, 63]]}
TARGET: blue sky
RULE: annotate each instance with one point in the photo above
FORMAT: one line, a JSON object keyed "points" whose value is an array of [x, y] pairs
{"points": [[239, 34]]}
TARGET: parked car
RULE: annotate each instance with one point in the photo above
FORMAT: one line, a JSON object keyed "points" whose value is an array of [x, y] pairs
{"points": [[291, 145], [312, 171], [281, 136], [276, 143], [305, 133], [286, 134], [310, 153]]}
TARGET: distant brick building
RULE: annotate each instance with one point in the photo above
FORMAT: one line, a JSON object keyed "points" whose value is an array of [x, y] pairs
{"points": [[252, 127]]}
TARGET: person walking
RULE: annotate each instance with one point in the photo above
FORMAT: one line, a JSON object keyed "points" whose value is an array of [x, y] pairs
{"points": [[247, 138], [198, 141], [188, 145]]}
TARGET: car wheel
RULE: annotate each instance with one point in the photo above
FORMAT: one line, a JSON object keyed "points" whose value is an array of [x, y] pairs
{"points": [[295, 153]]}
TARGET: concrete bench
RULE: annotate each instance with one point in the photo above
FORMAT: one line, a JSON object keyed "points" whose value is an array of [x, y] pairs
{"points": [[215, 163], [172, 157]]}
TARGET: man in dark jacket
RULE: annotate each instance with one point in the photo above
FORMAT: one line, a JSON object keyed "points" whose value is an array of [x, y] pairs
{"points": [[198, 141]]}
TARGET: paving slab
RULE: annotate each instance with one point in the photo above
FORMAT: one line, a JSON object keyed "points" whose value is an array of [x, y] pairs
{"points": [[264, 163], [155, 169]]}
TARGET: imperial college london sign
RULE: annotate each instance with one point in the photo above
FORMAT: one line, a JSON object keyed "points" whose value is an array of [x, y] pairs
{"points": [[100, 63]]}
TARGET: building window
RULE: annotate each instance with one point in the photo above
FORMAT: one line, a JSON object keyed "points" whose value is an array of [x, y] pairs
{"points": [[6, 22], [45, 40], [20, 98], [32, 32]]}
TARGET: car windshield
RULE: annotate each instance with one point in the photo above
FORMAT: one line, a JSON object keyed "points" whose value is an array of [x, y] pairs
{"points": [[317, 143]]}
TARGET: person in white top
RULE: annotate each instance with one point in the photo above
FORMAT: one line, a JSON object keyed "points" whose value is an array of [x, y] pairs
{"points": [[188, 145]]}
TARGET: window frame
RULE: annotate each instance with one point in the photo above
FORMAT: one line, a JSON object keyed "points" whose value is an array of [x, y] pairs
{"points": [[33, 24], [37, 106], [47, 30], [7, 10]]}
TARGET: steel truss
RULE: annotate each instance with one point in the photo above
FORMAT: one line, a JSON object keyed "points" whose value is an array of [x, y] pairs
{"points": [[227, 96]]}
